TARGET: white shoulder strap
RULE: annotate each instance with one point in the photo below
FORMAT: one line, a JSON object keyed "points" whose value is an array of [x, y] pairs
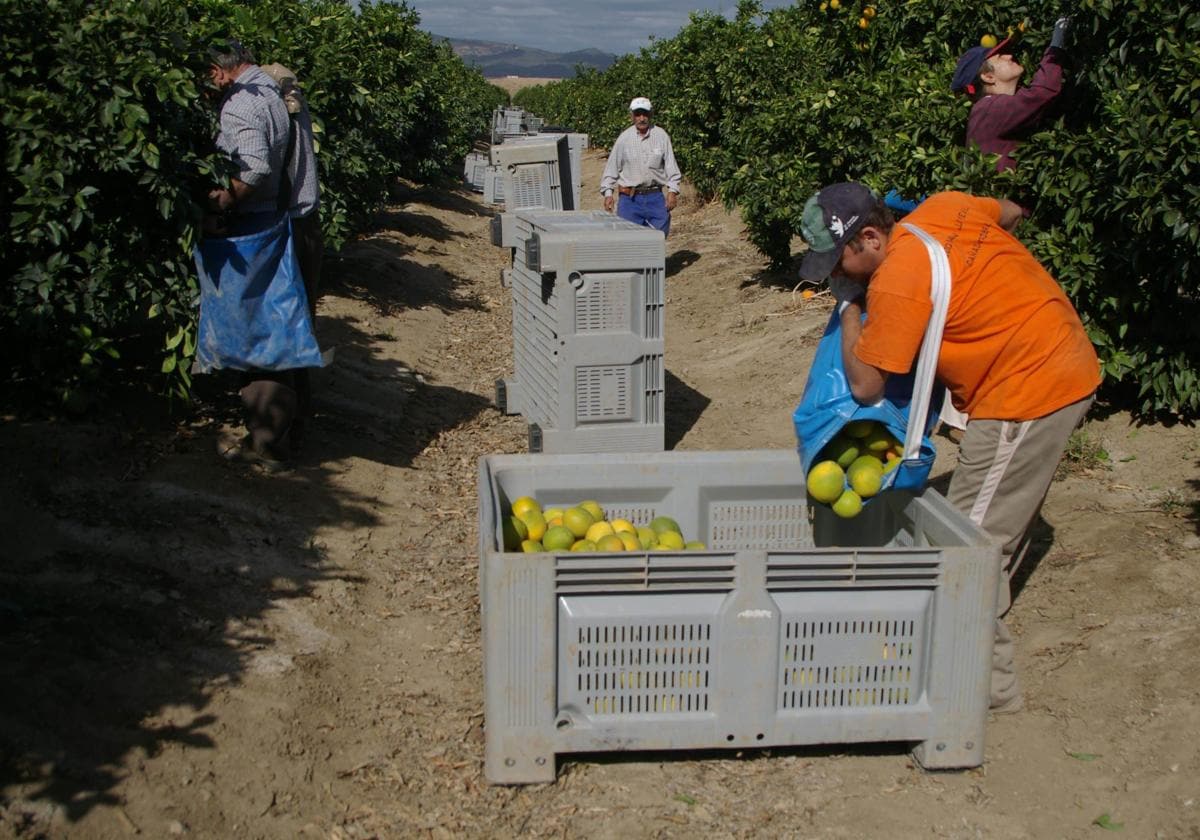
{"points": [[939, 293]]}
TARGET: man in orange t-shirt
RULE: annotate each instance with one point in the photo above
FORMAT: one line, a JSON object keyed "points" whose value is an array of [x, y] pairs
{"points": [[1014, 354]]}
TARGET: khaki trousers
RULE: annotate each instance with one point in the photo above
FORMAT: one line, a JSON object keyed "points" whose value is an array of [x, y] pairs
{"points": [[1004, 472]]}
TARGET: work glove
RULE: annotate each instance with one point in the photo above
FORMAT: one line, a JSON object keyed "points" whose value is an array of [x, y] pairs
{"points": [[1059, 38], [845, 290]]}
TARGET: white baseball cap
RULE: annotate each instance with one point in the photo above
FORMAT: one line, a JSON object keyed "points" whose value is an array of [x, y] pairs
{"points": [[640, 103]]}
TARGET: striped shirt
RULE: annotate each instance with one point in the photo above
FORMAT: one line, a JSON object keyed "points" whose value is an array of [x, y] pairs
{"points": [[641, 161], [254, 133]]}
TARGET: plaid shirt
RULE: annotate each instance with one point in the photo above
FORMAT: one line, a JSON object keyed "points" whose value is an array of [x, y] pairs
{"points": [[998, 124], [641, 161], [254, 133]]}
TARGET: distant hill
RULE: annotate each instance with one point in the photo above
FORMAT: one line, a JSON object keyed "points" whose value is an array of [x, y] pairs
{"points": [[495, 59]]}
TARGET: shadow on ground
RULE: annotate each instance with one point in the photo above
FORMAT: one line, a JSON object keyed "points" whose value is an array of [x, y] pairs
{"points": [[684, 407], [138, 567]]}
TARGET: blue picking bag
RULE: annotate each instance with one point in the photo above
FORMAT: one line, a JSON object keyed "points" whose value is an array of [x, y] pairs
{"points": [[253, 308], [910, 405], [827, 405]]}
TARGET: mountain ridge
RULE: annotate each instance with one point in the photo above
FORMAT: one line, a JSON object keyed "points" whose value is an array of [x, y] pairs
{"points": [[496, 58]]}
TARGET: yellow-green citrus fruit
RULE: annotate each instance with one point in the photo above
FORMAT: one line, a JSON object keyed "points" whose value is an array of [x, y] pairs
{"points": [[630, 540], [842, 449], [826, 480], [864, 461], [646, 537], [835, 4], [531, 546], [558, 538], [858, 428], [694, 545], [988, 41], [577, 520], [583, 545], [535, 522], [863, 23], [664, 523], [610, 542], [593, 508], [552, 521], [869, 12], [670, 539], [879, 441], [552, 513], [598, 530], [848, 505], [866, 479], [523, 505], [619, 525], [891, 465], [514, 531]]}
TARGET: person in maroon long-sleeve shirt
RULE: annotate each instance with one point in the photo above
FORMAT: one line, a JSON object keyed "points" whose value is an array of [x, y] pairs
{"points": [[1004, 112]]}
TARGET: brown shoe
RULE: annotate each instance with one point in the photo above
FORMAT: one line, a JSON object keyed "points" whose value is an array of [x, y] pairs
{"points": [[242, 449]]}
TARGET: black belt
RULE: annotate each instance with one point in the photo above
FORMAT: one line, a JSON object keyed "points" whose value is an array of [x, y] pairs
{"points": [[638, 190]]}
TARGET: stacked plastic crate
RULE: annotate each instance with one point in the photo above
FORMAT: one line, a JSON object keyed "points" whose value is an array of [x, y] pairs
{"points": [[474, 170], [587, 300], [792, 628]]}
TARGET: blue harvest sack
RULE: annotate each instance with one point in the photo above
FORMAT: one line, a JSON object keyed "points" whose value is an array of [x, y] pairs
{"points": [[910, 405], [253, 309]]}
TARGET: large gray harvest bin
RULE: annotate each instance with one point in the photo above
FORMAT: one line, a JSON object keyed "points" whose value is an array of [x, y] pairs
{"points": [[587, 300], [792, 628], [537, 173]]}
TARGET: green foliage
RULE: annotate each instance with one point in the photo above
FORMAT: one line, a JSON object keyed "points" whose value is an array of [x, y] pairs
{"points": [[768, 107], [109, 123]]}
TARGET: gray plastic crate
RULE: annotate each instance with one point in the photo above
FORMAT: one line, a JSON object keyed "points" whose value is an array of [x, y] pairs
{"points": [[792, 628], [537, 173], [493, 185], [474, 170], [588, 313]]}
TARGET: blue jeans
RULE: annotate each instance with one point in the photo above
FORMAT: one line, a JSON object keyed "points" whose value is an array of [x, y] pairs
{"points": [[649, 209]]}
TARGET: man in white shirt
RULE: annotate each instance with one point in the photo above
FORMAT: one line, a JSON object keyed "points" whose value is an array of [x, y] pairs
{"points": [[639, 166]]}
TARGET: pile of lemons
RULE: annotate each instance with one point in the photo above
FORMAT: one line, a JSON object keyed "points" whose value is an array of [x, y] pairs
{"points": [[851, 467], [585, 527]]}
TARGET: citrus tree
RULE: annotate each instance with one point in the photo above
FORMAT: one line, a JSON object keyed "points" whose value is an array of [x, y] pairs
{"points": [[766, 108], [109, 124]]}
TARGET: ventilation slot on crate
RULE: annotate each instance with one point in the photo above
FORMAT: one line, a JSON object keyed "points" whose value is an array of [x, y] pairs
{"points": [[834, 569], [602, 393], [657, 572], [760, 526], [639, 669], [652, 367], [603, 303], [529, 187], [849, 663]]}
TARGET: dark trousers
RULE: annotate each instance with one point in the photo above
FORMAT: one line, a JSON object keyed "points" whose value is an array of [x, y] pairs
{"points": [[277, 403]]}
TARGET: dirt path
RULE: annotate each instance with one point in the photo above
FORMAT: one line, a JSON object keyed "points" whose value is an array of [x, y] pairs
{"points": [[191, 648]]}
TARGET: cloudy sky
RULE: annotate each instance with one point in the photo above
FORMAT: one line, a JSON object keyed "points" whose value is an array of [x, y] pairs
{"points": [[614, 26]]}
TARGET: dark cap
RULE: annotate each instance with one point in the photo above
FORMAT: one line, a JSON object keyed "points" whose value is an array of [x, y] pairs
{"points": [[968, 66], [830, 219]]}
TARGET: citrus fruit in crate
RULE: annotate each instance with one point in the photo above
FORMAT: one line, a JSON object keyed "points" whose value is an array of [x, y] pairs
{"points": [[647, 537], [670, 539], [593, 508], [531, 546], [826, 481], [610, 542], [660, 524], [619, 525], [535, 523], [577, 520], [598, 530], [524, 505], [558, 538], [513, 530], [629, 540]]}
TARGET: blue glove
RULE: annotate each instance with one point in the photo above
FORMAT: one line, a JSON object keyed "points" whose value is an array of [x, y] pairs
{"points": [[899, 203], [1058, 39]]}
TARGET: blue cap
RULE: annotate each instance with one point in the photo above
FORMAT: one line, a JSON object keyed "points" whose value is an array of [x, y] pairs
{"points": [[968, 66]]}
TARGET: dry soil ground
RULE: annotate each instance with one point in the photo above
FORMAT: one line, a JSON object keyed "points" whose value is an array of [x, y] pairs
{"points": [[193, 648]]}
